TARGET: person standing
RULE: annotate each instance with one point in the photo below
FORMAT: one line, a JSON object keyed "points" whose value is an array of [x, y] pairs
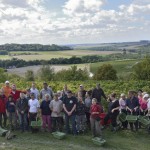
{"points": [[46, 113], [98, 93], [46, 90], [69, 105], [22, 111], [35, 90], [7, 89], [56, 107], [3, 116], [34, 106]]}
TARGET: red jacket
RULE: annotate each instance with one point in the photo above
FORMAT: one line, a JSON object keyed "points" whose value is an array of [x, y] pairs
{"points": [[15, 95], [95, 108], [3, 101]]}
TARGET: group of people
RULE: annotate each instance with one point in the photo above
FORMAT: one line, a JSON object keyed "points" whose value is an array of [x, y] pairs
{"points": [[57, 110]]}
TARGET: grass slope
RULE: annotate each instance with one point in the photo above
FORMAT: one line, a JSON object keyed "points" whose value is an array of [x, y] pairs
{"points": [[122, 140]]}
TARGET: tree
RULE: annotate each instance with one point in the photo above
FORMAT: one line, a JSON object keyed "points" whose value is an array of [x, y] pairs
{"points": [[141, 70], [106, 72], [29, 75], [3, 75]]}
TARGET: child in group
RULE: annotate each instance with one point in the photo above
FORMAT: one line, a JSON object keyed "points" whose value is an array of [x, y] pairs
{"points": [[11, 112], [95, 119], [80, 115]]}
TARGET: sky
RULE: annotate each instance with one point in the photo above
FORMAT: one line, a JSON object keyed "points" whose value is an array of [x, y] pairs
{"points": [[74, 21]]}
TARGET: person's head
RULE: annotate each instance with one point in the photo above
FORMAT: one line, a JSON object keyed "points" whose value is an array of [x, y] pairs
{"points": [[59, 93], [97, 85], [131, 94], [123, 96], [47, 97], [7, 83], [33, 85], [22, 95], [81, 87], [69, 94], [56, 96], [10, 98], [45, 85], [113, 96], [140, 92], [32, 95], [28, 91], [13, 87], [87, 94], [146, 97], [94, 101]]}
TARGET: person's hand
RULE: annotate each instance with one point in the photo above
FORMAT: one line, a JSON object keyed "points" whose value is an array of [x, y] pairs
{"points": [[141, 110], [12, 103], [112, 110], [130, 110], [135, 109], [22, 112], [69, 113]]}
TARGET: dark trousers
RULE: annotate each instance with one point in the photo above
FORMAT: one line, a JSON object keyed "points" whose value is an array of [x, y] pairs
{"points": [[32, 117], [67, 120], [57, 124], [125, 123], [3, 116], [113, 117], [88, 119]]}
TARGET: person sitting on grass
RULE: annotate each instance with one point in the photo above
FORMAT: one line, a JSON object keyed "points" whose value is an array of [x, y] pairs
{"points": [[46, 113], [11, 112], [56, 107], [80, 116], [95, 118]]}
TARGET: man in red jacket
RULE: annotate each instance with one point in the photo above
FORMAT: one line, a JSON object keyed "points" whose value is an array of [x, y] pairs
{"points": [[3, 101]]}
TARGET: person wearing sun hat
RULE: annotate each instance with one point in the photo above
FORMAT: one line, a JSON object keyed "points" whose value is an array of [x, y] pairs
{"points": [[7, 89]]}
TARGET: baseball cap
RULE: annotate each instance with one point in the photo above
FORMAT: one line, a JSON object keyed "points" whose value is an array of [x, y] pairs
{"points": [[6, 82]]}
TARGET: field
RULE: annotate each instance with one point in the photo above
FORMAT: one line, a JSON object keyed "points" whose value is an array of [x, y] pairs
{"points": [[122, 67], [58, 54], [122, 140]]}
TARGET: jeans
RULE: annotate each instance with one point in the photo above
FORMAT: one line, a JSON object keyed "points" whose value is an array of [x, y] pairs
{"points": [[46, 120], [4, 116], [12, 120], [23, 121], [72, 119]]}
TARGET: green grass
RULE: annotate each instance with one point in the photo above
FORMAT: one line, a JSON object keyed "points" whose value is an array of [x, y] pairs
{"points": [[122, 67], [4, 57], [122, 140]]}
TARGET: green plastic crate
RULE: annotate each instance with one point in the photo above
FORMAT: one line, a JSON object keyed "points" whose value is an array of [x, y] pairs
{"points": [[59, 135], [131, 118], [99, 141], [144, 121], [36, 124], [122, 117]]}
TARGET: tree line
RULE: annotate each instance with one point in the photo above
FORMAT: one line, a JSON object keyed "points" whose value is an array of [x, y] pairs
{"points": [[33, 47]]}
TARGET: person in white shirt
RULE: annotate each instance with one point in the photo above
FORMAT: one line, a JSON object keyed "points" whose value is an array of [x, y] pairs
{"points": [[34, 106], [35, 90]]}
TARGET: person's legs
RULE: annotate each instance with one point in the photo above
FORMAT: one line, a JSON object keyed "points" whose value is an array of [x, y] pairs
{"points": [[98, 128], [67, 123], [78, 122], [83, 123], [53, 124], [88, 119], [92, 121], [21, 121], [107, 117], [0, 119], [25, 118], [44, 122], [48, 120], [5, 119], [73, 124], [59, 123]]}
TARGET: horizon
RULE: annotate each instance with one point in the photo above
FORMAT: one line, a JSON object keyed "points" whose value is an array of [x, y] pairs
{"points": [[74, 21]]}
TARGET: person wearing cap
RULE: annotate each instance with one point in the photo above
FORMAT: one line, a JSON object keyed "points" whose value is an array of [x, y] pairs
{"points": [[98, 93], [56, 107], [7, 89], [46, 90], [69, 105]]}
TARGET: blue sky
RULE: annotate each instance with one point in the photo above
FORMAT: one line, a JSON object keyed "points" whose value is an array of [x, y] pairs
{"points": [[74, 21]]}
